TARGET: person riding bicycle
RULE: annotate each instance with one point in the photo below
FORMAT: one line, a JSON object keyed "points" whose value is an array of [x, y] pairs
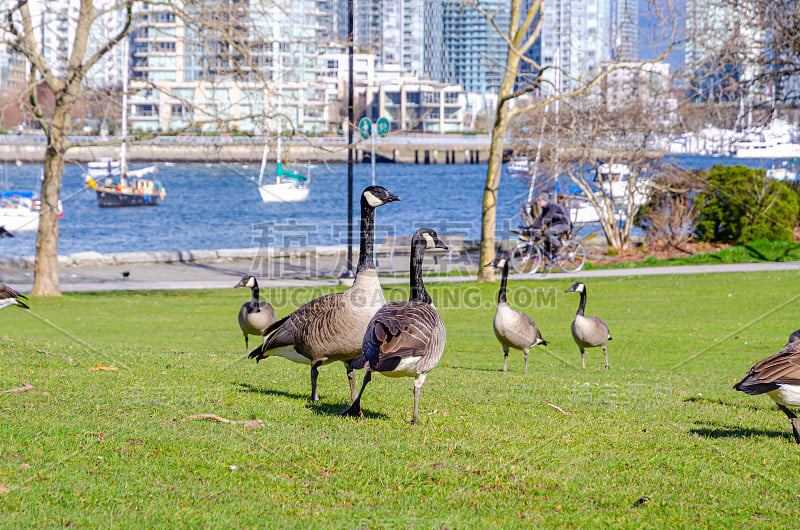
{"points": [[553, 221]]}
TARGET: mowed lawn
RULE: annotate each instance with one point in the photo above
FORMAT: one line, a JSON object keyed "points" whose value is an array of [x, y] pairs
{"points": [[659, 440]]}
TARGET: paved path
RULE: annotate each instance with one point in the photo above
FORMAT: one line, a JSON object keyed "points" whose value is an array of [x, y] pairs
{"points": [[292, 273]]}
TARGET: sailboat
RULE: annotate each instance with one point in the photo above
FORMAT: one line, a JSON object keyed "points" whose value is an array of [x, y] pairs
{"points": [[114, 183], [289, 185]]}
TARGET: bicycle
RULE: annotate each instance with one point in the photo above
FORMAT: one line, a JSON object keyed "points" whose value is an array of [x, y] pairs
{"points": [[529, 253]]}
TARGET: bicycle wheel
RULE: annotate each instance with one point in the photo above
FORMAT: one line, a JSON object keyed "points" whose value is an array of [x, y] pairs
{"points": [[571, 256], [526, 258]]}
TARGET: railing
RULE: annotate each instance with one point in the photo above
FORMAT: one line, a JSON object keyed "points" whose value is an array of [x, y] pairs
{"points": [[417, 140]]}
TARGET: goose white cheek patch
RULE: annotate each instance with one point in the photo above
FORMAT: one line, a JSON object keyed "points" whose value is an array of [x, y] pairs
{"points": [[372, 200]]}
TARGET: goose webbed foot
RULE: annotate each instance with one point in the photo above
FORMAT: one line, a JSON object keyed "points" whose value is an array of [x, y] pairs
{"points": [[353, 411]]}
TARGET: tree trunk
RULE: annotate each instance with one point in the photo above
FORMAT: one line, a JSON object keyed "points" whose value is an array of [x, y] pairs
{"points": [[504, 95], [489, 210], [45, 269]]}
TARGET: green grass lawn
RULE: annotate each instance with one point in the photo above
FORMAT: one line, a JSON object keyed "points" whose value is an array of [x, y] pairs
{"points": [[660, 440]]}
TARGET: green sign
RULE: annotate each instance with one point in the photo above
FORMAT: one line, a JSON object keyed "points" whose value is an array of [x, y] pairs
{"points": [[383, 126], [365, 126]]}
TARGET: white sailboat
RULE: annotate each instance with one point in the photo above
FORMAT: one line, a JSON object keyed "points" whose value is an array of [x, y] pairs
{"points": [[289, 185]]}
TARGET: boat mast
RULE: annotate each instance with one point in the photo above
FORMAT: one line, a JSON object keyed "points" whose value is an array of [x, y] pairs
{"points": [[263, 160], [278, 97], [123, 159]]}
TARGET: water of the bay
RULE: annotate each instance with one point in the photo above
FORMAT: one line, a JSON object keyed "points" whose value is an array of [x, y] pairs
{"points": [[213, 206]]}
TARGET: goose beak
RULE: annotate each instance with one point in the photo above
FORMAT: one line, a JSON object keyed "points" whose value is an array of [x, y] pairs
{"points": [[392, 198], [488, 265], [438, 244], [240, 284], [570, 290]]}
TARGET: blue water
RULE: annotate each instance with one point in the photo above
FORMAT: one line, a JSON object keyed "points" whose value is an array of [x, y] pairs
{"points": [[211, 206]]}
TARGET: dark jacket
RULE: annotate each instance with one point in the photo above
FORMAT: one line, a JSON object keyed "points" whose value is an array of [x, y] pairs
{"points": [[552, 214]]}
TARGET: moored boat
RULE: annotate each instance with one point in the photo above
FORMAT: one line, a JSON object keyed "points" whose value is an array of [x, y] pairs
{"points": [[19, 211], [125, 188]]}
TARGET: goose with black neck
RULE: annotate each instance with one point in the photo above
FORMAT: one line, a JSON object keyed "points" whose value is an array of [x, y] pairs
{"points": [[330, 328], [513, 329], [404, 338]]}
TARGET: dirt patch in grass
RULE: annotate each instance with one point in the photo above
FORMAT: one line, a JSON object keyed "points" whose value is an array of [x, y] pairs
{"points": [[660, 252]]}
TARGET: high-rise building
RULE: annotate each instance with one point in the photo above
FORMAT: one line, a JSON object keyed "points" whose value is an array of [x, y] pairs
{"points": [[724, 50], [403, 33], [475, 52], [625, 29], [575, 39], [260, 75]]}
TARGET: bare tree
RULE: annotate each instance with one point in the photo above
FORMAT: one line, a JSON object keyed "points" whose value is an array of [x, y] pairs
{"points": [[524, 29], [20, 33], [231, 43]]}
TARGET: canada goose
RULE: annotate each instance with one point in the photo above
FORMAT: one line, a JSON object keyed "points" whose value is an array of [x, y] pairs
{"points": [[9, 297], [330, 328], [588, 332], [254, 316], [778, 376], [404, 339], [4, 232], [513, 329]]}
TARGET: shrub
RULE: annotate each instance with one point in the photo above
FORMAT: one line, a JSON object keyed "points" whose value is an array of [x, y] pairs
{"points": [[740, 204], [670, 216]]}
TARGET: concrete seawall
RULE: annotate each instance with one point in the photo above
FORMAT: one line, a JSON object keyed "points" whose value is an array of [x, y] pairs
{"points": [[429, 151]]}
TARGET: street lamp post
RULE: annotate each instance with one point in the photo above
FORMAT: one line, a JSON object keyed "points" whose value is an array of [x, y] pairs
{"points": [[350, 119]]}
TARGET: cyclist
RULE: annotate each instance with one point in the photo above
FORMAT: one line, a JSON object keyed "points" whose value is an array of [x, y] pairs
{"points": [[553, 221]]}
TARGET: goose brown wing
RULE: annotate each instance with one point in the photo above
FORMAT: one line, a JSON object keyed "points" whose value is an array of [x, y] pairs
{"points": [[7, 292], [311, 321], [397, 331], [783, 368]]}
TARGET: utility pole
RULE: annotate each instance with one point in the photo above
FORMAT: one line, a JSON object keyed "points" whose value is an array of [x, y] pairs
{"points": [[350, 122]]}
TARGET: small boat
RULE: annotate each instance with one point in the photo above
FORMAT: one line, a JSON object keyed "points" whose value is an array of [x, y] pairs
{"points": [[518, 166], [289, 186], [784, 172], [19, 211], [118, 187], [110, 178]]}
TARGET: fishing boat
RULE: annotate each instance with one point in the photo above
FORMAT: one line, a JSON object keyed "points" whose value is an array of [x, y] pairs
{"points": [[118, 187], [114, 183], [19, 211]]}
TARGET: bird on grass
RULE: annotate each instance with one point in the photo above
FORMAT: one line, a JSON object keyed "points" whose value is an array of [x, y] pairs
{"points": [[254, 316], [404, 339], [330, 328], [513, 329], [778, 376], [588, 332], [9, 297]]}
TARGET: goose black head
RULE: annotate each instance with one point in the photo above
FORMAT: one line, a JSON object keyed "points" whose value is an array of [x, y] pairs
{"points": [[577, 287], [376, 196], [430, 237], [794, 336], [246, 281], [499, 261]]}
